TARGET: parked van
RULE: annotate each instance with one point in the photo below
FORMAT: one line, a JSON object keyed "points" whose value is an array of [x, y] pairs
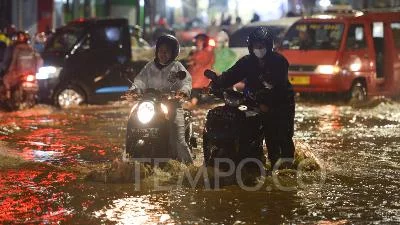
{"points": [[78, 60], [356, 53]]}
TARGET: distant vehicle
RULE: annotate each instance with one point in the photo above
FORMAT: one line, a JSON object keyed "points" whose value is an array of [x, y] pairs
{"points": [[78, 59], [354, 53], [23, 94], [192, 28], [238, 40]]}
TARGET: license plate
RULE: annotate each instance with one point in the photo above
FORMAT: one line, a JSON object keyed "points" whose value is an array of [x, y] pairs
{"points": [[146, 132], [299, 80]]}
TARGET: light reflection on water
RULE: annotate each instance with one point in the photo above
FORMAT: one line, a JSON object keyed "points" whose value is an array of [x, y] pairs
{"points": [[362, 157], [360, 148], [134, 210]]}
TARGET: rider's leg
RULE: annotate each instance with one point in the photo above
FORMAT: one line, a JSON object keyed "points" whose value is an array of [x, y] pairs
{"points": [[177, 134], [274, 150], [7, 81]]}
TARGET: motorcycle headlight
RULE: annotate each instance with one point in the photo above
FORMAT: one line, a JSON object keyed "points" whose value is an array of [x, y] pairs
{"points": [[145, 112]]}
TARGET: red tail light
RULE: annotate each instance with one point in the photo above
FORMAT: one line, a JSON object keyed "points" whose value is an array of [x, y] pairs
{"points": [[30, 78]]}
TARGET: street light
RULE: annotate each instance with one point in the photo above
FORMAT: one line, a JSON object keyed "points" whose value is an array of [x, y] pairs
{"points": [[174, 3], [325, 3]]}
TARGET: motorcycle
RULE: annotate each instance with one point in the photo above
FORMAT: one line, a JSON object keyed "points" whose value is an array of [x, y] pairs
{"points": [[147, 135], [23, 94], [232, 131]]}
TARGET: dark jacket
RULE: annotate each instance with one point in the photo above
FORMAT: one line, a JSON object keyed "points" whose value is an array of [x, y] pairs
{"points": [[7, 58], [275, 73]]}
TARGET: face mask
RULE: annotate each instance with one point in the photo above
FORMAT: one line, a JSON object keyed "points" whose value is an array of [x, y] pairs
{"points": [[260, 53]]}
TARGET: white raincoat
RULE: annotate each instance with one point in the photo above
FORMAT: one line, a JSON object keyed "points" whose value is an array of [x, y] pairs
{"points": [[160, 79]]}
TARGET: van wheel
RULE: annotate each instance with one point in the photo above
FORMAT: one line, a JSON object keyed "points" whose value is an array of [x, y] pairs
{"points": [[358, 93], [69, 96]]}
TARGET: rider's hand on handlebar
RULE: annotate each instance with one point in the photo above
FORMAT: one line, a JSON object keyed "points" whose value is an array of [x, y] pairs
{"points": [[181, 95]]}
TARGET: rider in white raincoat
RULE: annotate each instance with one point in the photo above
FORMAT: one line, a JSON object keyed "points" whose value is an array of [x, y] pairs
{"points": [[158, 74]]}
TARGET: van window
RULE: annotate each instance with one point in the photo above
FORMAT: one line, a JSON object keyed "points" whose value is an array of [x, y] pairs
{"points": [[315, 36], [378, 36], [377, 30], [356, 37], [107, 37], [396, 34]]}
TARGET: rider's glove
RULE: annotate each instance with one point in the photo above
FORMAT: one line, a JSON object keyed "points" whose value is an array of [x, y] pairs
{"points": [[181, 94], [134, 89]]}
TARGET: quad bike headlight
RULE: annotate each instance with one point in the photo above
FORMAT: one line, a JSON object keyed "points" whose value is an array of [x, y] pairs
{"points": [[145, 112]]}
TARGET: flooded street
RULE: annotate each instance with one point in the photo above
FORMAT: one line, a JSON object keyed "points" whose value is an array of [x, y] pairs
{"points": [[358, 148]]}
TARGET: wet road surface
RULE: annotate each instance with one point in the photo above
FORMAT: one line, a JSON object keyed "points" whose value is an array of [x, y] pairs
{"points": [[359, 149]]}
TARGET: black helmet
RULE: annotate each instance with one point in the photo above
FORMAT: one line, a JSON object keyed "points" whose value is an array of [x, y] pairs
{"points": [[263, 35], [203, 37], [171, 41]]}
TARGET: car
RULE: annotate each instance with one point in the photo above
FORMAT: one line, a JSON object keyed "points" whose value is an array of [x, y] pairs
{"points": [[192, 28], [355, 54], [81, 62]]}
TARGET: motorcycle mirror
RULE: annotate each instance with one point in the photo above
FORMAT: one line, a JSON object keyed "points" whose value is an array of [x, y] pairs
{"points": [[181, 75], [125, 71]]}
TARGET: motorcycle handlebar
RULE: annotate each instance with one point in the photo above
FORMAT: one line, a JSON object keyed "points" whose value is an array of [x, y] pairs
{"points": [[210, 75], [154, 94]]}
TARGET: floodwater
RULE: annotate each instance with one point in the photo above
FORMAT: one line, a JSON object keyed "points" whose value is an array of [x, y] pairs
{"points": [[358, 148]]}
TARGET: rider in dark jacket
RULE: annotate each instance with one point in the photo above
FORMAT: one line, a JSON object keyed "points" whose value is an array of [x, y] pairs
{"points": [[265, 73]]}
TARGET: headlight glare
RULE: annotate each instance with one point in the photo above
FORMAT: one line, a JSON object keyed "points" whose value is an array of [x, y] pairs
{"points": [[327, 69], [46, 72], [145, 112]]}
